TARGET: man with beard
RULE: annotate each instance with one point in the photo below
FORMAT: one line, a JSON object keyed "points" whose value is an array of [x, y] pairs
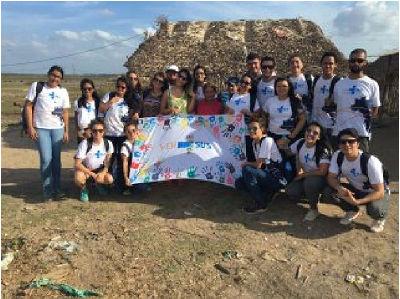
{"points": [[357, 99]]}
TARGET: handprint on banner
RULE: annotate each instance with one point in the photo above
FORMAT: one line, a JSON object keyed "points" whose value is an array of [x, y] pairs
{"points": [[237, 139], [227, 132], [167, 173], [230, 167], [145, 148], [207, 171], [221, 167], [156, 173], [191, 173], [230, 180], [216, 131]]}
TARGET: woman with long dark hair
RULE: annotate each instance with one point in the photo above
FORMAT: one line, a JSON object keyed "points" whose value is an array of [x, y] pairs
{"points": [[199, 75], [86, 108], [313, 154], [152, 96], [179, 98], [48, 126], [134, 94]]}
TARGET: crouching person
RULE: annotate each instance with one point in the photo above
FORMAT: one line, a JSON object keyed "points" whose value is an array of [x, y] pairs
{"points": [[366, 185], [92, 161], [263, 177], [313, 155]]}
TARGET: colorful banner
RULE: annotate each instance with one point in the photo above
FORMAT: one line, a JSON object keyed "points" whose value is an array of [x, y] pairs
{"points": [[209, 148]]}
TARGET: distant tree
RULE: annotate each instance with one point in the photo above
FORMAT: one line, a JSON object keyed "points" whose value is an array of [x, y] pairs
{"points": [[161, 21]]}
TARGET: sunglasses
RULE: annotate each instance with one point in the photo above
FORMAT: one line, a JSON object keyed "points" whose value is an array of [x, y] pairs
{"points": [[358, 60], [245, 82], [158, 80], [134, 78], [87, 88], [97, 130], [200, 73], [349, 141], [313, 132], [182, 77], [253, 129], [120, 86], [268, 66], [132, 131], [55, 76]]}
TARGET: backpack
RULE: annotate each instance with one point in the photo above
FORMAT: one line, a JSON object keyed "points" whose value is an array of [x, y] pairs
{"points": [[364, 158], [90, 144], [24, 121], [317, 156]]}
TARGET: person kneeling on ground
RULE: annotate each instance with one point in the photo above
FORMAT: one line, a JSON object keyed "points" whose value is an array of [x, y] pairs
{"points": [[366, 185], [92, 161], [312, 158], [131, 133], [263, 177]]}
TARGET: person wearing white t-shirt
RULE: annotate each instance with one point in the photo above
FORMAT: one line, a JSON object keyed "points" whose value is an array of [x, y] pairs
{"points": [[263, 177], [265, 87], [364, 187], [302, 88], [116, 112], [93, 162], [313, 157], [241, 103], [47, 122], [357, 99], [322, 93], [85, 109]]}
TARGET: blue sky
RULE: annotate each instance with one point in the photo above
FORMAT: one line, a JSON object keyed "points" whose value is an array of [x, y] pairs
{"points": [[33, 31]]}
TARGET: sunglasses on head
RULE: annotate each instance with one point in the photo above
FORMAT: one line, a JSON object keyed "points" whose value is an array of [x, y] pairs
{"points": [[97, 130], [268, 66], [349, 141], [358, 60]]}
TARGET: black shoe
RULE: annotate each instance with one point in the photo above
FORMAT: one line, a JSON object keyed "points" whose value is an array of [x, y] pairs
{"points": [[255, 209]]}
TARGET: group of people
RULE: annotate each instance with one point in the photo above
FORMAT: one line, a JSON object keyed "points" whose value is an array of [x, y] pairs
{"points": [[294, 124]]}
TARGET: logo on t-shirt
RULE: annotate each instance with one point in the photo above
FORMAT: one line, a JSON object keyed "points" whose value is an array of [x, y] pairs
{"points": [[308, 158], [89, 109], [239, 101], [354, 89], [99, 154], [282, 109], [52, 95], [354, 172], [324, 88]]}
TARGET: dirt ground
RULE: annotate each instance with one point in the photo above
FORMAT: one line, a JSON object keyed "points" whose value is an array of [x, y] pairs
{"points": [[189, 240]]}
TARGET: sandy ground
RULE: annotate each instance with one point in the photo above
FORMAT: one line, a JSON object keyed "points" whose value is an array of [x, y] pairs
{"points": [[189, 240]]}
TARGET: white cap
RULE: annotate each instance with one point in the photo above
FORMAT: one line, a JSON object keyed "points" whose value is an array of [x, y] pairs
{"points": [[173, 68]]}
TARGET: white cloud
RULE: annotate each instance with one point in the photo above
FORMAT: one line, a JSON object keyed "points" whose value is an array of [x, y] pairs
{"points": [[366, 18], [140, 30], [70, 35], [8, 43]]}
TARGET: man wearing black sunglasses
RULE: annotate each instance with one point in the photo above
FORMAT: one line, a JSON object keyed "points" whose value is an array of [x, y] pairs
{"points": [[357, 99], [366, 181], [265, 86]]}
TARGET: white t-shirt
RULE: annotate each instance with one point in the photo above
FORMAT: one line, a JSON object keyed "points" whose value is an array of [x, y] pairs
{"points": [[126, 148], [346, 92], [115, 117], [267, 150], [265, 90], [279, 111], [49, 106], [352, 171], [199, 95], [241, 101], [85, 114], [95, 157], [321, 92], [300, 84], [307, 157]]}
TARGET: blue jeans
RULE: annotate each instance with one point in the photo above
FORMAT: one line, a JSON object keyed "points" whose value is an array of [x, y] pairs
{"points": [[260, 183], [49, 144]]}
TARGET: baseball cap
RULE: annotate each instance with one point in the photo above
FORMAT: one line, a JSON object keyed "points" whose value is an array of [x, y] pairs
{"points": [[173, 68]]}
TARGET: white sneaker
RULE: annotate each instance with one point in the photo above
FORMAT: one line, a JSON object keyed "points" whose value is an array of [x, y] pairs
{"points": [[378, 225], [349, 217], [311, 215]]}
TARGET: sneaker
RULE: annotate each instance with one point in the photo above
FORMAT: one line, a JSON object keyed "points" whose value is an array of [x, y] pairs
{"points": [[378, 225], [311, 215], [127, 192], [254, 209], [47, 197], [84, 196], [59, 195], [349, 217], [101, 190]]}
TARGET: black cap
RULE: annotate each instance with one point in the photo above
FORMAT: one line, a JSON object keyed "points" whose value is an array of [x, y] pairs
{"points": [[349, 131]]}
